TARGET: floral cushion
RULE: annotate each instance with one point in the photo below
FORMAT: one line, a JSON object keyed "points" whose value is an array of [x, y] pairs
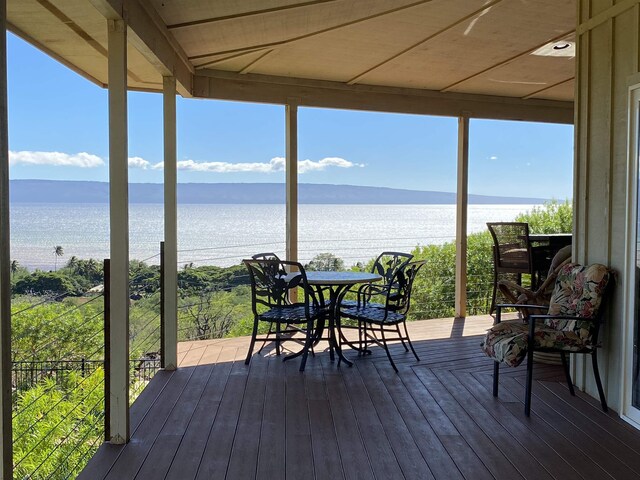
{"points": [[507, 341], [578, 292]]}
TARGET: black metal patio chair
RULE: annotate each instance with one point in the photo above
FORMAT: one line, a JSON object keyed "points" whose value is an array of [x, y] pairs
{"points": [[377, 322], [386, 265], [271, 282], [571, 325]]}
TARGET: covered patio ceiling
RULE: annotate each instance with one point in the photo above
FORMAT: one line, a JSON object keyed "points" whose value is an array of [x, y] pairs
{"points": [[507, 52]]}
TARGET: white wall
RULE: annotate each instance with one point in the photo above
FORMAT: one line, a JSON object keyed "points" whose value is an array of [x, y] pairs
{"points": [[607, 57]]}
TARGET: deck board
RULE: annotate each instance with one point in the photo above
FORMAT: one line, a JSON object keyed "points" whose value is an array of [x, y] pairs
{"points": [[217, 418]]}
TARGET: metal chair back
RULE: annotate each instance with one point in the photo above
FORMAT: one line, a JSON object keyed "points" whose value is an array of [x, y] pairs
{"points": [[388, 263], [512, 248], [265, 256], [399, 288], [271, 282]]}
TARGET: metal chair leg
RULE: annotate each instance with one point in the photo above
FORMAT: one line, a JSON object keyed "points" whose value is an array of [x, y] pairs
{"points": [[401, 337], [278, 338], [266, 338], [596, 373], [406, 332], [496, 374], [495, 291], [307, 345], [364, 336], [386, 348], [527, 400], [567, 373], [252, 343]]}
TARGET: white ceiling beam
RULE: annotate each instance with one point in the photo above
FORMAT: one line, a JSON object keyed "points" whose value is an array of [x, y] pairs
{"points": [[151, 37], [287, 41], [247, 14], [422, 42], [549, 87], [324, 94], [509, 60]]}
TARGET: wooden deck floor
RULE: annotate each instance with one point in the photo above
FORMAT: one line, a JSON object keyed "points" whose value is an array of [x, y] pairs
{"points": [[216, 418]]}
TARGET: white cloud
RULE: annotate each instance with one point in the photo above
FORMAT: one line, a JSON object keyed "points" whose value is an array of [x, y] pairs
{"points": [[87, 160], [57, 159], [276, 164], [311, 166], [493, 157], [138, 162]]}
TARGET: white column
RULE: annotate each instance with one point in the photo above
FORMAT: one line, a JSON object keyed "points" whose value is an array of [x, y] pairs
{"points": [[291, 172], [6, 451], [462, 199], [119, 235], [170, 346]]}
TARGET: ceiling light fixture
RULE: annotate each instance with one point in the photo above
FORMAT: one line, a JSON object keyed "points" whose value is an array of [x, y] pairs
{"points": [[563, 48]]}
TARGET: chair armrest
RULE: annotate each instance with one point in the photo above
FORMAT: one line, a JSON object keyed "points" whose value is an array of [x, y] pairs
{"points": [[522, 305], [368, 290], [500, 306]]}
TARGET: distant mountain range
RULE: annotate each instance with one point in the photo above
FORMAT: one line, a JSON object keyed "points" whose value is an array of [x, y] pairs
{"points": [[59, 191]]}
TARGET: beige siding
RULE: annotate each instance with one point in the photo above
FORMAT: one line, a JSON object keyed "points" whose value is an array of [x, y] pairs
{"points": [[607, 57]]}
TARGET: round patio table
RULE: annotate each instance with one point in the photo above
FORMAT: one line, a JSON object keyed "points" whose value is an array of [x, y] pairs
{"points": [[337, 284]]}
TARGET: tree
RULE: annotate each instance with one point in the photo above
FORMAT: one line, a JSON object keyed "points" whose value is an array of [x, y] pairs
{"points": [[14, 267], [325, 261], [73, 261], [209, 315], [58, 251], [47, 283]]}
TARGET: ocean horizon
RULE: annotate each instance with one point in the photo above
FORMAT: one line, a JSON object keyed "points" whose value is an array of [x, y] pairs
{"points": [[224, 234]]}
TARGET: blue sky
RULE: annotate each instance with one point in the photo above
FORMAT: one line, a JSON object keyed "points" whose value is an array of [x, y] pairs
{"points": [[58, 130]]}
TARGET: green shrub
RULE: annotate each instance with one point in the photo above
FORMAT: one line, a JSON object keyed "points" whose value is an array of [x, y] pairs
{"points": [[47, 283], [552, 217]]}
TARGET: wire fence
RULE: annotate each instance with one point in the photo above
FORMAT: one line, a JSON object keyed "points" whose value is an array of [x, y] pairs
{"points": [[57, 384], [58, 375], [145, 324], [214, 302]]}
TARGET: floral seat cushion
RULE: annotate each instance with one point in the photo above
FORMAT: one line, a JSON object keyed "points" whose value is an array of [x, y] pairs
{"points": [[507, 341], [578, 292]]}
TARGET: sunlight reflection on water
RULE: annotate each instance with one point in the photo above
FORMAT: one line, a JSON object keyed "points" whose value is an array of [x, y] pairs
{"points": [[224, 234]]}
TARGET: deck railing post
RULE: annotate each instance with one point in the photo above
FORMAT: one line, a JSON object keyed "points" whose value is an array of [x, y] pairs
{"points": [[461, 217], [6, 445], [291, 176], [170, 269], [107, 348], [119, 230], [162, 309]]}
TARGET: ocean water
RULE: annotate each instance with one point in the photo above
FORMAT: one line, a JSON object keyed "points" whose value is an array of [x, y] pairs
{"points": [[224, 234]]}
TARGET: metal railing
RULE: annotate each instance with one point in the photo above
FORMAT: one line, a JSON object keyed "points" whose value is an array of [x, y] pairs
{"points": [[146, 322], [202, 296], [58, 379]]}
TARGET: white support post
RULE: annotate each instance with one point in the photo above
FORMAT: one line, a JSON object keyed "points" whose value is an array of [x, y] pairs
{"points": [[170, 346], [291, 172], [119, 234], [462, 200], [6, 450]]}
